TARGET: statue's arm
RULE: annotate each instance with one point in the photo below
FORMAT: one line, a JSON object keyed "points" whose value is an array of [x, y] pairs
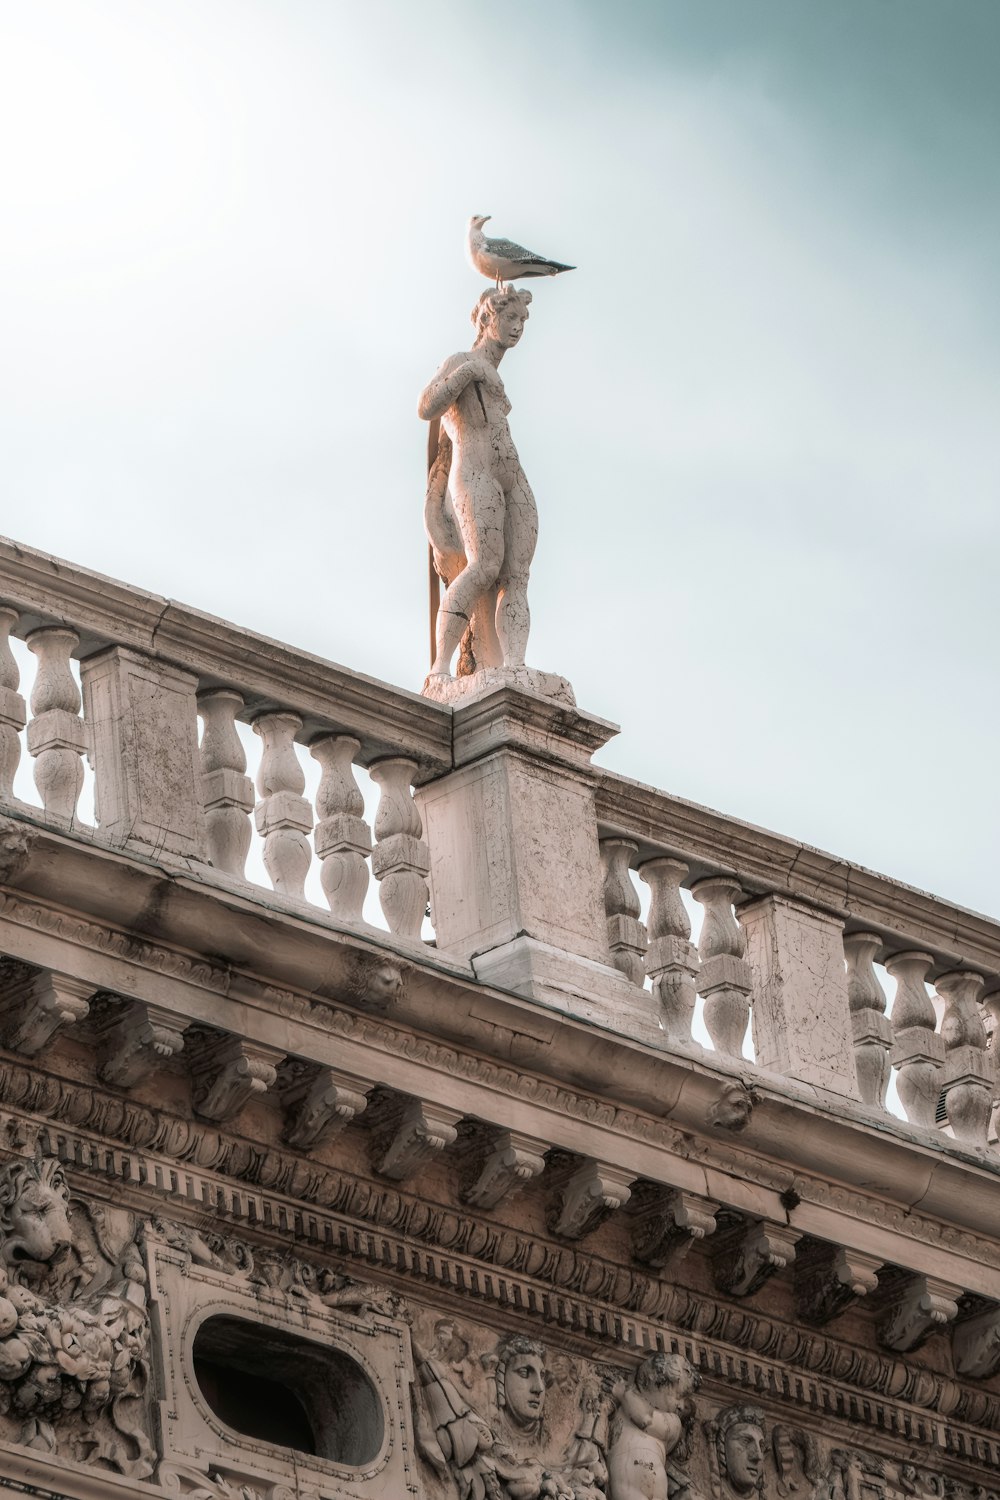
{"points": [[446, 387]]}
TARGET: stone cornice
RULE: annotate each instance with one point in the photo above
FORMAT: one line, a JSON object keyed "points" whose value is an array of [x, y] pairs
{"points": [[710, 842], [269, 674], [650, 1110]]}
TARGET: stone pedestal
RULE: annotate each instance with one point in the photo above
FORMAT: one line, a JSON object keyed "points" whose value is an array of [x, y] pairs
{"points": [[516, 879], [143, 722], [801, 1012]]}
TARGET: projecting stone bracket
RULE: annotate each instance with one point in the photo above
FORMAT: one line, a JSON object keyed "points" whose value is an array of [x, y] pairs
{"points": [[229, 1073], [322, 1103], [34, 1009], [922, 1306], [975, 1344], [423, 1131], [514, 1161], [749, 1256], [139, 1042], [829, 1278], [667, 1222], [587, 1197]]}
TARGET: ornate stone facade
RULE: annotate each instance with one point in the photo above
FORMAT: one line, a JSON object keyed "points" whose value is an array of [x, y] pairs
{"points": [[294, 1207]]}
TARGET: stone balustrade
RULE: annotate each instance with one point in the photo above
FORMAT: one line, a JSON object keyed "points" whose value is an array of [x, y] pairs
{"points": [[784, 979], [787, 962], [123, 681]]}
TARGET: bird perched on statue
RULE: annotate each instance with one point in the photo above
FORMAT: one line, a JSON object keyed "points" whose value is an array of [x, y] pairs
{"points": [[502, 260]]}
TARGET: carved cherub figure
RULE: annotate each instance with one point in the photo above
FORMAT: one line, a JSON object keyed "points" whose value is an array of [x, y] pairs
{"points": [[655, 1408]]}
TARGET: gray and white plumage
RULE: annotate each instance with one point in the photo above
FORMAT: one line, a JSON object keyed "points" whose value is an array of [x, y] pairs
{"points": [[503, 260]]}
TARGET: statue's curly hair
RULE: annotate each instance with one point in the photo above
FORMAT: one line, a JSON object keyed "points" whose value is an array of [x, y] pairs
{"points": [[492, 301]]}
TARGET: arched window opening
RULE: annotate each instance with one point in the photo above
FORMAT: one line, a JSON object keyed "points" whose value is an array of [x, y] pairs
{"points": [[278, 1388]]}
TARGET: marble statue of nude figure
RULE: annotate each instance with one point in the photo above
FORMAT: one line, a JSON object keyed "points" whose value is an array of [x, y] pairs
{"points": [[481, 515]]}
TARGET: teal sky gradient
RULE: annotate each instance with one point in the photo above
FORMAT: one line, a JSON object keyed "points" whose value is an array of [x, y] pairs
{"points": [[762, 420]]}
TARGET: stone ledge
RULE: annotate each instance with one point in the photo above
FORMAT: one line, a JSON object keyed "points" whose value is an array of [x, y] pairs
{"points": [[269, 674]]}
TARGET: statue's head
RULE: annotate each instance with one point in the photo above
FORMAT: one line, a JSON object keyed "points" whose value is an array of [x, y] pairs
{"points": [[34, 1211], [666, 1380], [521, 1379], [739, 1444], [501, 314]]}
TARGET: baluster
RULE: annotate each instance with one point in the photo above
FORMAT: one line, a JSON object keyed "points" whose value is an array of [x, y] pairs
{"points": [[917, 1053], [626, 934], [342, 838], [57, 736], [12, 713], [671, 958], [283, 816], [968, 1074], [871, 1027], [724, 979], [400, 859], [227, 790]]}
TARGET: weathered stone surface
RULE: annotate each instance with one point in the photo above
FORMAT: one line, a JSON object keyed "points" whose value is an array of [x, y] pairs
{"points": [[142, 717], [801, 1012]]}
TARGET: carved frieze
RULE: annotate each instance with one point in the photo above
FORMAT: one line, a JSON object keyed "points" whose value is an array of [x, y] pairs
{"points": [[976, 1343], [828, 1279], [33, 1010], [747, 1255], [319, 1102], [666, 1223], [510, 1162], [137, 1042], [917, 1307], [228, 1072], [418, 1132]]}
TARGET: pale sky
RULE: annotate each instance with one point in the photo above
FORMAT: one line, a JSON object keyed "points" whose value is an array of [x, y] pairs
{"points": [[760, 420]]}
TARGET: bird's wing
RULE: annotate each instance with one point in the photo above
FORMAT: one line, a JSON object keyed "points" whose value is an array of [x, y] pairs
{"points": [[509, 251]]}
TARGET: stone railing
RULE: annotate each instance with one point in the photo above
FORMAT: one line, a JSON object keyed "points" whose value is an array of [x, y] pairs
{"points": [[790, 947], [792, 942], [147, 671]]}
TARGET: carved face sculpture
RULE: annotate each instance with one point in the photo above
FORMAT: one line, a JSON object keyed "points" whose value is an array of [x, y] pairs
{"points": [[525, 1389], [521, 1380], [34, 1215], [732, 1109], [509, 324], [744, 1456]]}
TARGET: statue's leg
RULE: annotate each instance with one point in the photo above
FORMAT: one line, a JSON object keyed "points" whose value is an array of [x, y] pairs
{"points": [[479, 507], [485, 644], [520, 535]]}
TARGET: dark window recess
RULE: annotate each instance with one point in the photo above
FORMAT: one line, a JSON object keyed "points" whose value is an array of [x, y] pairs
{"points": [[941, 1112], [281, 1389]]}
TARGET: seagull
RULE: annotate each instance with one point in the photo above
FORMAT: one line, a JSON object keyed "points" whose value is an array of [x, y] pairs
{"points": [[502, 260]]}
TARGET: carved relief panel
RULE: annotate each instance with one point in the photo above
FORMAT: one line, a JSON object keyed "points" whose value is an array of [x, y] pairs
{"points": [[74, 1327], [277, 1379]]}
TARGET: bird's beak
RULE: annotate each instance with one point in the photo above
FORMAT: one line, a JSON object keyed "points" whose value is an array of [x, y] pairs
{"points": [[487, 217]]}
